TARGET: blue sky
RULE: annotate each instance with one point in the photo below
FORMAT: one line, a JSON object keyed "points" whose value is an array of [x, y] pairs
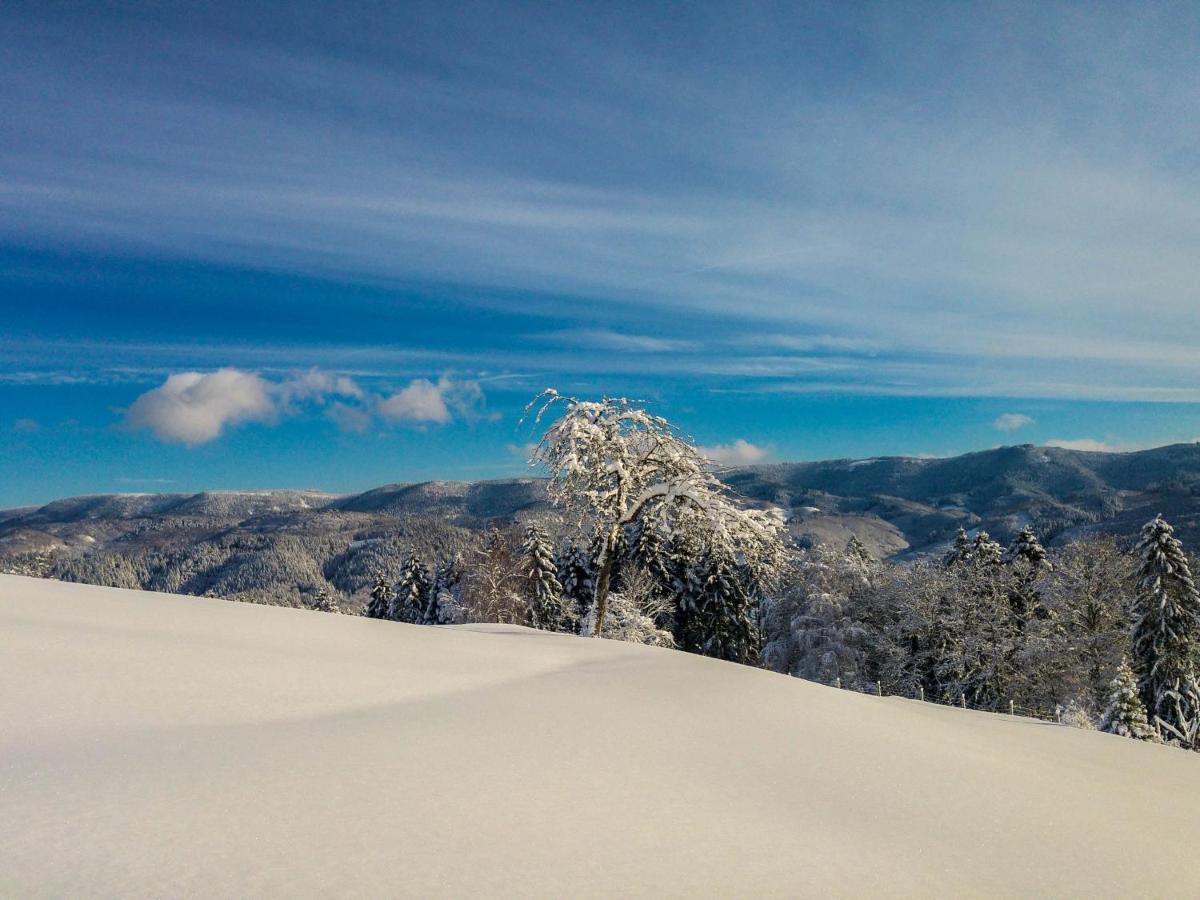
{"points": [[800, 230]]}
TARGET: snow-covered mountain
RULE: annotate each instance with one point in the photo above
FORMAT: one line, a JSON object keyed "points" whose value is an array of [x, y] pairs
{"points": [[181, 746], [894, 504]]}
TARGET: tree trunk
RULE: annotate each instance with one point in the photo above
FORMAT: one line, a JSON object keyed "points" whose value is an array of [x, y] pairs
{"points": [[602, 580]]}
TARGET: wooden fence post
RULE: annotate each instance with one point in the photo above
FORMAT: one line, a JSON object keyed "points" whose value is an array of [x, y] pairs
{"points": [[879, 688], [1010, 708]]}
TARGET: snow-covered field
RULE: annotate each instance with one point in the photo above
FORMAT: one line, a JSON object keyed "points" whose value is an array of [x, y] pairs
{"points": [[153, 745]]}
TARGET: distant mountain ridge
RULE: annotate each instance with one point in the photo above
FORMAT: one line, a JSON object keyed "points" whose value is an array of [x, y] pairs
{"points": [[277, 542]]}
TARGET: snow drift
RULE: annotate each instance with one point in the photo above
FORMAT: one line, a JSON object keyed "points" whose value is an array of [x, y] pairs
{"points": [[157, 745]]}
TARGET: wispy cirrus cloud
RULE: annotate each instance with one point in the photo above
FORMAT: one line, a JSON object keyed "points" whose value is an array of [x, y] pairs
{"points": [[804, 198], [607, 339], [1012, 422]]}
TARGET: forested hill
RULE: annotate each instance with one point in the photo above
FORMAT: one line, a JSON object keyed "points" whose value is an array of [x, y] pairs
{"points": [[232, 543], [903, 504]]}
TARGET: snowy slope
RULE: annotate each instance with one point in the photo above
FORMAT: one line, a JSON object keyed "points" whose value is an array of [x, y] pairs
{"points": [[153, 745]]}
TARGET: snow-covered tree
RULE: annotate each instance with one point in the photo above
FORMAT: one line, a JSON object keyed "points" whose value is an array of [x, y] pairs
{"points": [[546, 610], [1027, 550], [1082, 641], [444, 602], [723, 621], [1027, 560], [412, 593], [614, 465], [381, 598], [322, 602], [1126, 714], [857, 551], [985, 551], [816, 626], [1166, 636], [634, 612], [960, 551], [978, 645], [32, 564], [577, 574], [493, 589]]}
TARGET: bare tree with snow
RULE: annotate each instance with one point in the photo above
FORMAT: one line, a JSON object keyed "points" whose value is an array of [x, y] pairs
{"points": [[612, 465]]}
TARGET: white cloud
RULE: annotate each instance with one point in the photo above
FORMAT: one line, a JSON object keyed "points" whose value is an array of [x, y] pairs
{"points": [[27, 425], [1012, 422], [193, 408], [737, 453], [421, 401], [317, 386], [1089, 444], [424, 401]]}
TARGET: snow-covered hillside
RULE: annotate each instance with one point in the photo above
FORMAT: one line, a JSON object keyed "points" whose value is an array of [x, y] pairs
{"points": [[155, 745]]}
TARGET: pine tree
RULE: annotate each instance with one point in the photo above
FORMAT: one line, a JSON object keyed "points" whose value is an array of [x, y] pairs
{"points": [[381, 598], [546, 610], [726, 620], [412, 593], [960, 552], [322, 602], [440, 609], [1027, 549], [649, 552], [1166, 636], [576, 573], [716, 611], [857, 551], [1126, 715], [1028, 561], [985, 551]]}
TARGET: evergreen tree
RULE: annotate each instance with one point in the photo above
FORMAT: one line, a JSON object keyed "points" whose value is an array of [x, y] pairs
{"points": [[960, 552], [1027, 549], [322, 602], [716, 610], [577, 574], [381, 598], [546, 610], [857, 551], [412, 593], [440, 609], [1126, 715], [985, 551], [726, 611], [1166, 636], [1028, 561], [649, 552]]}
